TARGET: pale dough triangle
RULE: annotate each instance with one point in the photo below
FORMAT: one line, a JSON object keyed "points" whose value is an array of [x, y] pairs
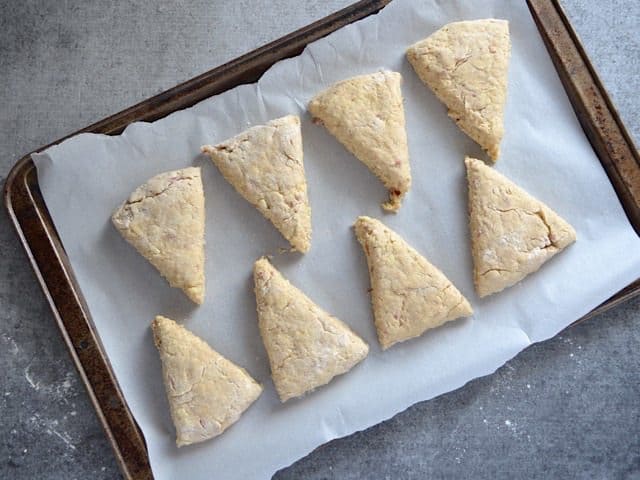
{"points": [[465, 64], [264, 164], [164, 220], [512, 233], [306, 346], [206, 392], [365, 113], [409, 295]]}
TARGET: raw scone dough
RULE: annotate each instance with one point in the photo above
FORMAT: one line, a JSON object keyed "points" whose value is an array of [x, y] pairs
{"points": [[409, 295], [206, 392], [365, 113], [264, 164], [465, 64], [512, 233], [164, 220], [306, 346]]}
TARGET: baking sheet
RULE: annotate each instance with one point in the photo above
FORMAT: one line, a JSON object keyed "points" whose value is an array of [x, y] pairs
{"points": [[85, 178]]}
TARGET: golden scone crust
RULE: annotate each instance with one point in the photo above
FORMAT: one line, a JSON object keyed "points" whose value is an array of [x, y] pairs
{"points": [[265, 165], [466, 64], [306, 346], [512, 233], [164, 220], [206, 392], [409, 295], [365, 113]]}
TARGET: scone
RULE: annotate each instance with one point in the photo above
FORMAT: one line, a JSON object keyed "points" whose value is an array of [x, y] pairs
{"points": [[409, 295], [465, 64], [365, 113], [164, 220], [306, 346], [206, 392], [512, 233], [264, 164]]}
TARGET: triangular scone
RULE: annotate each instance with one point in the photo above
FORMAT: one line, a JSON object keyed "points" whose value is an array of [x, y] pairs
{"points": [[365, 113], [512, 233], [264, 164], [409, 295], [206, 392], [164, 220], [306, 346], [465, 64]]}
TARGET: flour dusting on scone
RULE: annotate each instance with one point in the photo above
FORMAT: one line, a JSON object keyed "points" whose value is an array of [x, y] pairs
{"points": [[206, 392], [265, 165], [306, 346], [465, 64], [365, 113], [512, 233], [164, 220], [409, 295]]}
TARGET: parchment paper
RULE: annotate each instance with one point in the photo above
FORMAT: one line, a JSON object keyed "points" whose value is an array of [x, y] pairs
{"points": [[544, 150]]}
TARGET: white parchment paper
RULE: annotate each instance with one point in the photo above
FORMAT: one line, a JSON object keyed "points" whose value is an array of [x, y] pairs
{"points": [[544, 150]]}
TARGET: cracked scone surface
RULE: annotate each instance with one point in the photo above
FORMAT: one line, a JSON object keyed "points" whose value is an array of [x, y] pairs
{"points": [[466, 64], [306, 346], [512, 233], [164, 220], [365, 113], [408, 294], [265, 165], [206, 392]]}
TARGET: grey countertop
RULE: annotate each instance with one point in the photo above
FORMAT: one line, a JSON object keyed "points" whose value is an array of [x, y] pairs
{"points": [[568, 407]]}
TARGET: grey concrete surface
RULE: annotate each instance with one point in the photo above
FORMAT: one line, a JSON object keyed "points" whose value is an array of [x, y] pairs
{"points": [[566, 408]]}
